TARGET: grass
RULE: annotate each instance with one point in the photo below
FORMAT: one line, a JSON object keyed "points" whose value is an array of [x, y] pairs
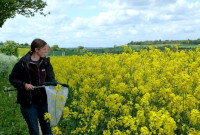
{"points": [[22, 51], [11, 119]]}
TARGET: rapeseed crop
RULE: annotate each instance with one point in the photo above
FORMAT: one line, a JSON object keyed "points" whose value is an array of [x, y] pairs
{"points": [[148, 92]]}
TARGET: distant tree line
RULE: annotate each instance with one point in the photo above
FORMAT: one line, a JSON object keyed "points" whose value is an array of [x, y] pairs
{"points": [[107, 50], [156, 42], [26, 45], [10, 47]]}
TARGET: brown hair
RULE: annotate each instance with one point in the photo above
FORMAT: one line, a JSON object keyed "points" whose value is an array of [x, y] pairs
{"points": [[37, 43]]}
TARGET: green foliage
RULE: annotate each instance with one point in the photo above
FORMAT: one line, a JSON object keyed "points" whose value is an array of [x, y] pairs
{"points": [[117, 49], [12, 122], [80, 47], [9, 48], [55, 47], [6, 63], [157, 42], [26, 45], [9, 8]]}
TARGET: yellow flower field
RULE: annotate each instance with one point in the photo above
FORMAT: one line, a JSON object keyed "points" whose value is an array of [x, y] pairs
{"points": [[147, 92]]}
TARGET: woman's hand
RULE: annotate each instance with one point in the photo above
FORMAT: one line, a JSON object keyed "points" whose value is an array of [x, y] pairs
{"points": [[28, 87]]}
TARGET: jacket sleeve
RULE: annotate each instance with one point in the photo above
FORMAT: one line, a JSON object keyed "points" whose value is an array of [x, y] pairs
{"points": [[15, 75]]}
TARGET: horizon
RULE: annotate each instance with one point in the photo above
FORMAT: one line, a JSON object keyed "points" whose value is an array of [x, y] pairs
{"points": [[92, 47]]}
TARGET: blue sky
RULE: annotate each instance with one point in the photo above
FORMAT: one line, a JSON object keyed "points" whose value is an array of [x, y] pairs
{"points": [[105, 23]]}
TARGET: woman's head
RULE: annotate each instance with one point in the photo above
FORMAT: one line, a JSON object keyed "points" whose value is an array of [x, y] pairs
{"points": [[39, 47]]}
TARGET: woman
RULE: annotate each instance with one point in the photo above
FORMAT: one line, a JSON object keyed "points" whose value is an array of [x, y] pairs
{"points": [[33, 70]]}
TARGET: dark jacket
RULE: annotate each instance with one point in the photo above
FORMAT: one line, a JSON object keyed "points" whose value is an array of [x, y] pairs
{"points": [[20, 75]]}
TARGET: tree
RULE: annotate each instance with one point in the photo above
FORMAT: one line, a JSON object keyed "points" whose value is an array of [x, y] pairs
{"points": [[49, 50], [26, 45], [1, 43], [55, 47], [188, 41], [80, 47], [10, 48], [9, 8]]}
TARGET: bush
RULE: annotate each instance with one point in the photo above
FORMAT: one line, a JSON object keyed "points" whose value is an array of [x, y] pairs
{"points": [[6, 63], [9, 48], [12, 121]]}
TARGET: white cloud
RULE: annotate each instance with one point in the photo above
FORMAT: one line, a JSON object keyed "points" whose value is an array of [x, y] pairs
{"points": [[113, 22]]}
